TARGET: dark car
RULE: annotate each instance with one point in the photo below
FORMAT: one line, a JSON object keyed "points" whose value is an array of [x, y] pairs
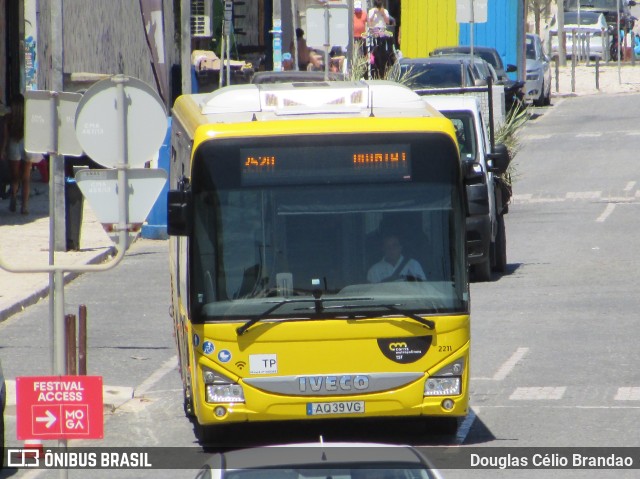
{"points": [[440, 72], [608, 7], [512, 89]]}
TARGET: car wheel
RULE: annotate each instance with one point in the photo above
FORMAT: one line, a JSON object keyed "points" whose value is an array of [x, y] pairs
{"points": [[540, 100], [482, 271], [500, 247], [547, 98]]}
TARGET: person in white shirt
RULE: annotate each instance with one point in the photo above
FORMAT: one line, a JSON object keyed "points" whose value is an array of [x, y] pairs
{"points": [[394, 266], [378, 17]]}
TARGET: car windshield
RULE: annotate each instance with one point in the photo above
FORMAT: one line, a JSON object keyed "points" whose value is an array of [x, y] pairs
{"points": [[433, 75], [596, 4], [531, 48], [586, 18]]}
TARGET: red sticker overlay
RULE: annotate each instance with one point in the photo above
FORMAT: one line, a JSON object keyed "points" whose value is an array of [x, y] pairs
{"points": [[405, 350]]}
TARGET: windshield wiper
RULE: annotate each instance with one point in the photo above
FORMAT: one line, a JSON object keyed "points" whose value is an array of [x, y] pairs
{"points": [[393, 308], [317, 305], [243, 329]]}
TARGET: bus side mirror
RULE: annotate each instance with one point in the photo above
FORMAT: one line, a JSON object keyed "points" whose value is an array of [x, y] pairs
{"points": [[179, 217], [476, 189], [500, 159], [511, 68]]}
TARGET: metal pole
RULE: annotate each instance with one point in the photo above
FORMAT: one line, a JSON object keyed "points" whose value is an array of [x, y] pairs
{"points": [[294, 27], [56, 193], [59, 365], [82, 340], [619, 42], [597, 73], [471, 22], [222, 51], [70, 344], [327, 44], [557, 63], [185, 45]]}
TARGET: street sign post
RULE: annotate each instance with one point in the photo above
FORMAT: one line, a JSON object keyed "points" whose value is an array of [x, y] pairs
{"points": [[100, 188], [59, 407]]}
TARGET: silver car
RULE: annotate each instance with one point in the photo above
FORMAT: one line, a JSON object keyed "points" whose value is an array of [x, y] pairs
{"points": [[319, 461], [537, 88]]}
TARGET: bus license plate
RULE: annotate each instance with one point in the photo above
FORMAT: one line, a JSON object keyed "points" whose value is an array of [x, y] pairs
{"points": [[339, 407]]}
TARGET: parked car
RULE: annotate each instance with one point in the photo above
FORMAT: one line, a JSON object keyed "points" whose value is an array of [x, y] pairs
{"points": [[440, 72], [486, 233], [609, 8], [320, 461], [512, 88], [537, 87], [592, 34]]}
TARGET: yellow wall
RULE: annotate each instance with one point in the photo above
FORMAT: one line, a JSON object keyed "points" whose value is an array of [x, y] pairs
{"points": [[427, 24]]}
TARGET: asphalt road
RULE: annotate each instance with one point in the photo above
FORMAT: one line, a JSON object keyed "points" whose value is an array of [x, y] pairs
{"points": [[554, 340]]}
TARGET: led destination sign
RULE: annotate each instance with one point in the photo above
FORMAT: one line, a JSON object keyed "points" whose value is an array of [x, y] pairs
{"points": [[325, 164]]}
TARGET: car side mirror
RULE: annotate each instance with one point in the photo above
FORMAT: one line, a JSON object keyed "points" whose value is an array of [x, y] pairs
{"points": [[179, 213], [511, 68], [500, 159]]}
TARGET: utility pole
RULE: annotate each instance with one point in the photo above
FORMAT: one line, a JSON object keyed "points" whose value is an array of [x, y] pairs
{"points": [[185, 45], [58, 236], [277, 36]]}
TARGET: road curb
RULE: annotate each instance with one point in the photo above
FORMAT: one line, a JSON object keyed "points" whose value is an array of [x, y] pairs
{"points": [[43, 291]]}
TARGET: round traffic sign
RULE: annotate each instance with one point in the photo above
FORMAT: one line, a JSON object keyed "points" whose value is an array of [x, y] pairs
{"points": [[99, 119]]}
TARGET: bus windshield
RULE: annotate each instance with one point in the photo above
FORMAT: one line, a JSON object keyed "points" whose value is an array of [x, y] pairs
{"points": [[369, 225]]}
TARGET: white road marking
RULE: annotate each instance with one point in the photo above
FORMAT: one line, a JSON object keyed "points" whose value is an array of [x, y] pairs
{"points": [[536, 137], [509, 364], [589, 135], [583, 195], [605, 214], [538, 393], [628, 394], [630, 186], [169, 365]]}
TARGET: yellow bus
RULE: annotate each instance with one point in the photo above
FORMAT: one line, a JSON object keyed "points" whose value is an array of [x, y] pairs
{"points": [[318, 258]]}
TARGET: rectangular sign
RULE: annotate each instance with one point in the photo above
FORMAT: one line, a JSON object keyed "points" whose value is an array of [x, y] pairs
{"points": [[471, 11], [59, 407]]}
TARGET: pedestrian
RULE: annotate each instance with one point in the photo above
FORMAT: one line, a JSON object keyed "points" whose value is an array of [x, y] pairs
{"points": [[307, 58], [5, 175], [12, 150], [359, 22], [378, 18]]}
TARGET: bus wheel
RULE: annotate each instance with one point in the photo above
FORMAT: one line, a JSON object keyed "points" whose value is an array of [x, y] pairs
{"points": [[500, 247], [206, 435], [444, 426], [482, 271]]}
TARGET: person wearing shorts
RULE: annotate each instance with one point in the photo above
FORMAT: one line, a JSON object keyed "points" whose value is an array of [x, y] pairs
{"points": [[13, 151]]}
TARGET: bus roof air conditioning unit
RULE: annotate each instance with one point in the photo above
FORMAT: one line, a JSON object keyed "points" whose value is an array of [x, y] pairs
{"points": [[201, 18]]}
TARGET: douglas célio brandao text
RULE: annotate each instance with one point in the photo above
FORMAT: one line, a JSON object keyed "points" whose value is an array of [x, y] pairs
{"points": [[535, 460]]}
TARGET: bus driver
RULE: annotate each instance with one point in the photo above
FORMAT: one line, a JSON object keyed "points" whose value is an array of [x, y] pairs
{"points": [[394, 266]]}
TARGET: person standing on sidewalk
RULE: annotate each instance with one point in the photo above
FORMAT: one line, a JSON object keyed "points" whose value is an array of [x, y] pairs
{"points": [[13, 150]]}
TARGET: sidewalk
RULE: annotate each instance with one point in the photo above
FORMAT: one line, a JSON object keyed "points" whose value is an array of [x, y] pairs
{"points": [[24, 243]]}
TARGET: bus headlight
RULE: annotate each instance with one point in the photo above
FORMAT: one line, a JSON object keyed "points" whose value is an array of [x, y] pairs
{"points": [[446, 381], [442, 386], [219, 388]]}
